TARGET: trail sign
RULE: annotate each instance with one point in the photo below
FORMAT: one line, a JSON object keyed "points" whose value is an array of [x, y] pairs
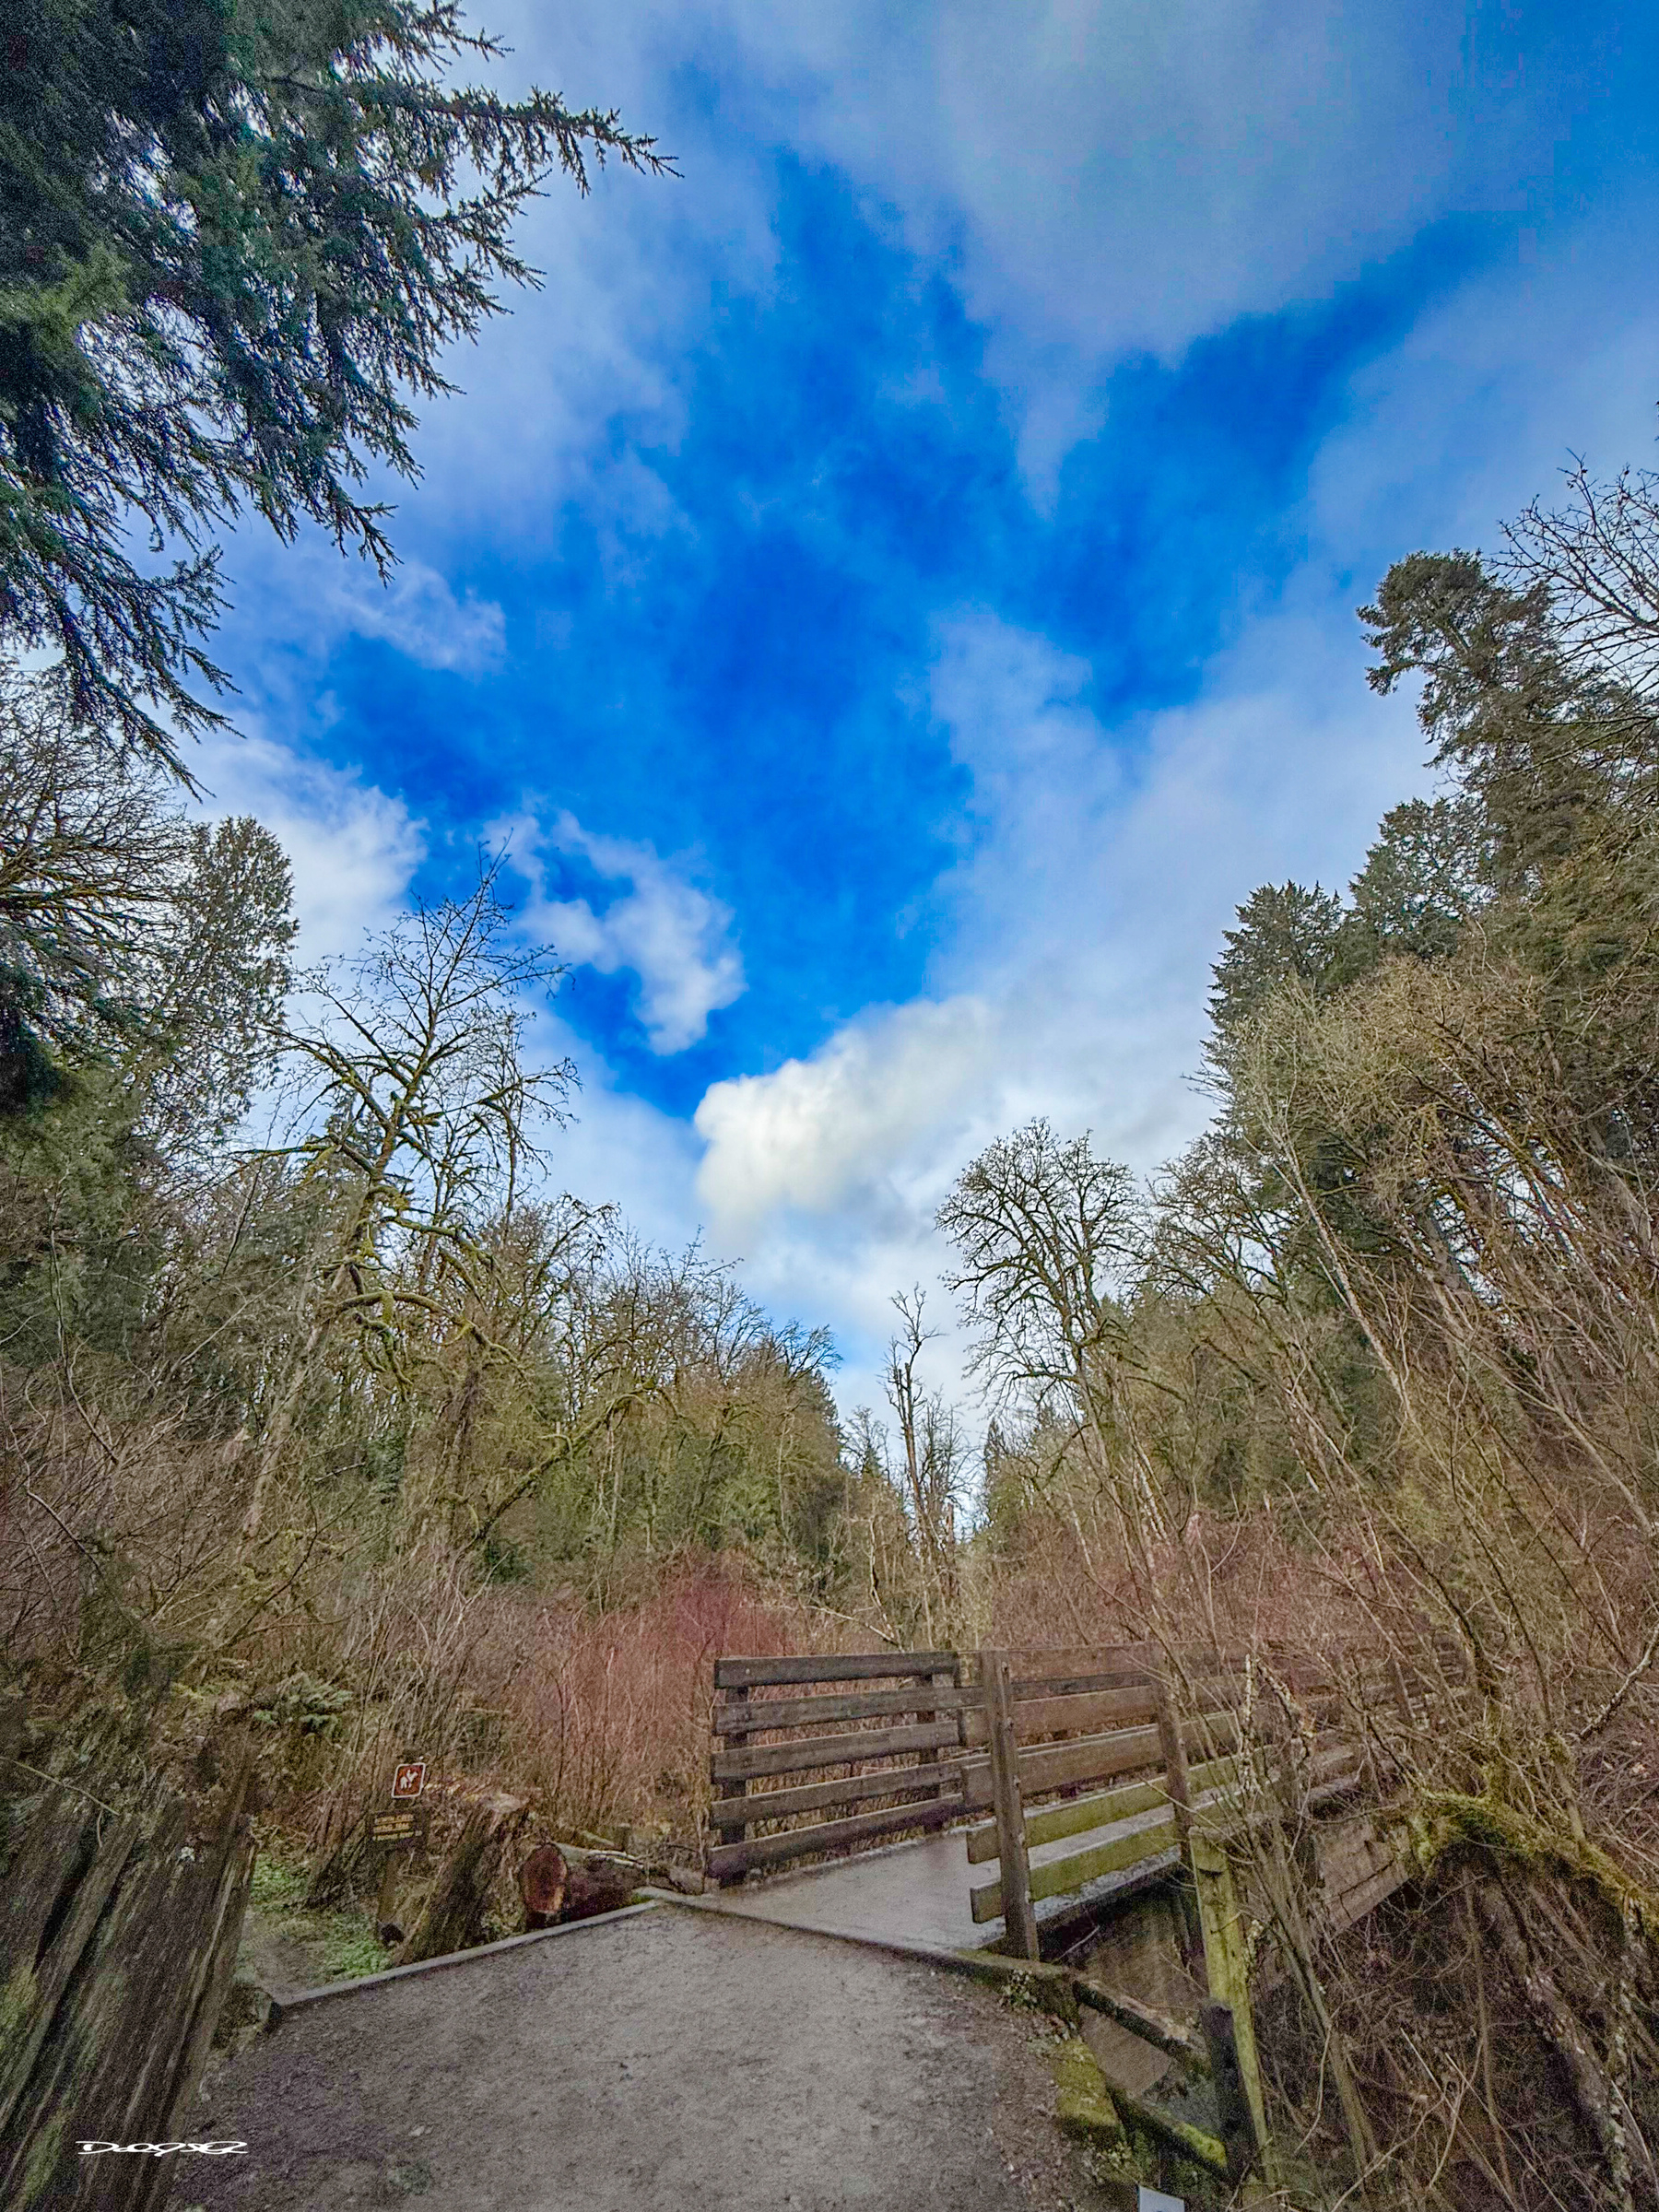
{"points": [[405, 1828], [409, 1781]]}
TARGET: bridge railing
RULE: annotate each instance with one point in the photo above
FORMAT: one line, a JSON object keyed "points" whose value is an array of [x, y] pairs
{"points": [[1059, 1720], [882, 1730], [820, 1753]]}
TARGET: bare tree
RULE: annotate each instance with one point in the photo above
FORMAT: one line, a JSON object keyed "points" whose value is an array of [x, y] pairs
{"points": [[1043, 1231], [936, 1458], [410, 1092]]}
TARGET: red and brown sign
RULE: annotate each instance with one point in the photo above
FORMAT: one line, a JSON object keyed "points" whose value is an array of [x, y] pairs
{"points": [[409, 1781]]}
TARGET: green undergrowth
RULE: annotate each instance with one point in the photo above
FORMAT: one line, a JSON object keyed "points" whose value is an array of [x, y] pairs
{"points": [[335, 1945]]}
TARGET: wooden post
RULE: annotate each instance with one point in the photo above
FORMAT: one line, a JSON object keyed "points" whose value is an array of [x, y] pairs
{"points": [[1171, 1747], [1226, 1966], [1018, 1917], [1232, 2100], [118, 1941], [735, 1789]]}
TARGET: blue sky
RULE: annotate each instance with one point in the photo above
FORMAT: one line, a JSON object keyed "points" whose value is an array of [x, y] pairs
{"points": [[893, 587]]}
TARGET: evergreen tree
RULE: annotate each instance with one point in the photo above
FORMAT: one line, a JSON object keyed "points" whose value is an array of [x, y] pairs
{"points": [[234, 242], [1285, 931]]}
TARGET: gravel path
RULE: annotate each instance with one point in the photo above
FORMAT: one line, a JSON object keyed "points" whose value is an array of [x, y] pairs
{"points": [[670, 2062]]}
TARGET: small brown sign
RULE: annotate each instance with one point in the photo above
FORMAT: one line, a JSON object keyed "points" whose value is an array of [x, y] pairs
{"points": [[408, 1780], [396, 1830]]}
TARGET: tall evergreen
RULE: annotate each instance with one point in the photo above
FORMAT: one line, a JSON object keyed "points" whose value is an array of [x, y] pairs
{"points": [[235, 239]]}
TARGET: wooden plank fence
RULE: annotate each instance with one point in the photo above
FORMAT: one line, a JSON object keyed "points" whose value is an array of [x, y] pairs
{"points": [[875, 1747], [819, 1753]]}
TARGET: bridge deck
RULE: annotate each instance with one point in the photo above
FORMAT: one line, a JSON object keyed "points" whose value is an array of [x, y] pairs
{"points": [[917, 1892], [909, 1893]]}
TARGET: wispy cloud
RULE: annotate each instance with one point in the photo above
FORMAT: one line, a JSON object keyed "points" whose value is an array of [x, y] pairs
{"points": [[674, 938], [308, 598]]}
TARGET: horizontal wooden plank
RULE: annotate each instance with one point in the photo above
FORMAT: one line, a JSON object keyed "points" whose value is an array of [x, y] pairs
{"points": [[1075, 1818], [830, 1667], [848, 1789], [1091, 1714], [1059, 1877], [1078, 1685], [1366, 1899], [1037, 1663], [854, 1747], [826, 1835], [1044, 1767], [746, 1715]]}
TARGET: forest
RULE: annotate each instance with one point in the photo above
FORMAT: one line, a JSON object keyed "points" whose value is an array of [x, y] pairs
{"points": [[367, 1435], [332, 1422]]}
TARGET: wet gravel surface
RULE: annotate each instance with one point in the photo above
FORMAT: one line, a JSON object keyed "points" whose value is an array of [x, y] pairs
{"points": [[672, 2059]]}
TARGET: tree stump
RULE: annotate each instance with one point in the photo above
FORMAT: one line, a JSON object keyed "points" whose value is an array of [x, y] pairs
{"points": [[452, 1916]]}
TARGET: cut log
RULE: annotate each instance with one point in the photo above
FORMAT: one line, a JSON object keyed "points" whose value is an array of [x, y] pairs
{"points": [[594, 1889], [453, 1917], [542, 1881]]}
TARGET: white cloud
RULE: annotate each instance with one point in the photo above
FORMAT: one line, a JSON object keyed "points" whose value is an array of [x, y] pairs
{"points": [[308, 594], [416, 613], [1072, 979], [1096, 176], [352, 846], [817, 1132], [673, 937]]}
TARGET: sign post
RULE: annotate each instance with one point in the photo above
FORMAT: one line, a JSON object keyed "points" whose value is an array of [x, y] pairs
{"points": [[404, 1828]]}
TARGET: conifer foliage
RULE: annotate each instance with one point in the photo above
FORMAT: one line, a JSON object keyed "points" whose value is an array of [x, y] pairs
{"points": [[235, 239]]}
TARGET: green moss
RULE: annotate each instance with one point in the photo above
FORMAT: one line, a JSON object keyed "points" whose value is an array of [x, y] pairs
{"points": [[43, 2158], [1439, 1823], [1084, 2106]]}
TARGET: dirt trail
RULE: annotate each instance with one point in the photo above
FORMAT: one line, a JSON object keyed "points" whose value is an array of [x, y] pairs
{"points": [[670, 2062]]}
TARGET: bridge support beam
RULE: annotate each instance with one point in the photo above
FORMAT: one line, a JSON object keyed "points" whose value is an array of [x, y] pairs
{"points": [[1227, 1967]]}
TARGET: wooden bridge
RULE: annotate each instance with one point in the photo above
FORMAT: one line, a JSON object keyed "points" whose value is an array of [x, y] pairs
{"points": [[1063, 1806]]}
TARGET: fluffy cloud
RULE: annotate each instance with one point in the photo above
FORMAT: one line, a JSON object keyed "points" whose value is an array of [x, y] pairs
{"points": [[674, 938], [817, 1133], [1086, 914]]}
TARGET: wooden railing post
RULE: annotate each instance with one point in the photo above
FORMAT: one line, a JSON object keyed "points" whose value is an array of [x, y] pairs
{"points": [[1019, 1915], [1172, 1750], [734, 1789]]}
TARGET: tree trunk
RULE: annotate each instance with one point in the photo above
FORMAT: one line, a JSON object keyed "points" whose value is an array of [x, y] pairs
{"points": [[453, 1917], [118, 1937]]}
